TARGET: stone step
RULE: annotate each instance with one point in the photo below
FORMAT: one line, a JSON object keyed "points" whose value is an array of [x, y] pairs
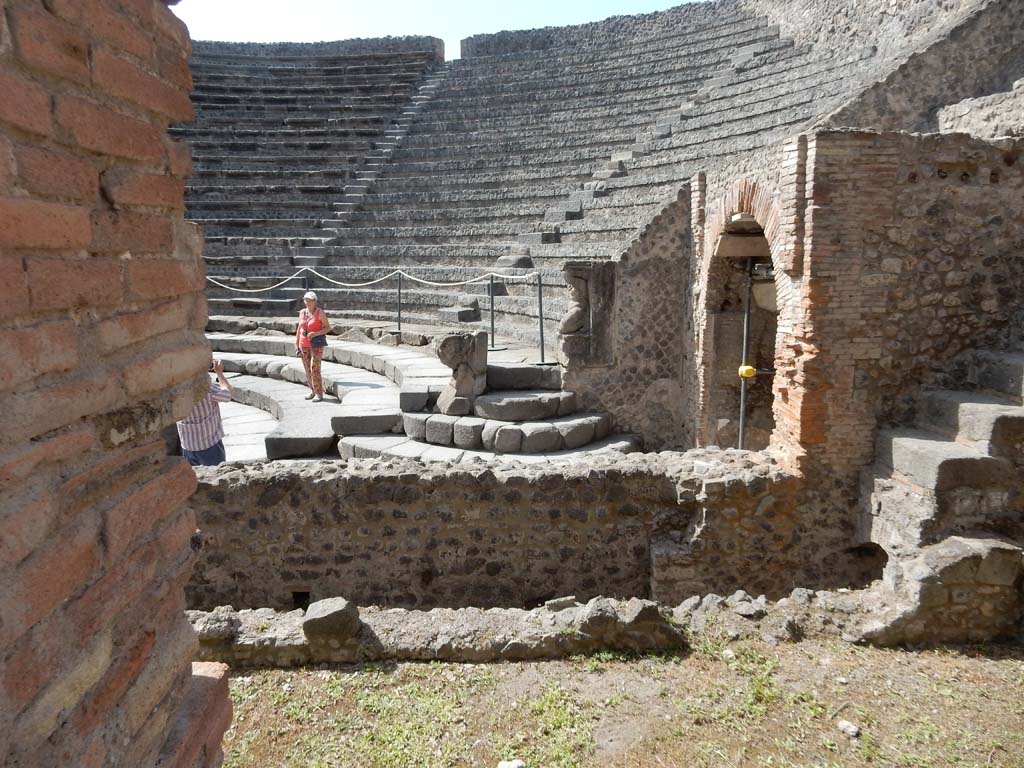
{"points": [[1002, 373], [989, 425], [933, 464], [404, 447], [524, 405], [505, 376], [475, 433]]}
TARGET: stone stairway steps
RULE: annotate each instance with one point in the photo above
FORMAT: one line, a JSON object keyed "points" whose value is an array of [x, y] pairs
{"points": [[524, 405], [1001, 373], [927, 461], [989, 425]]}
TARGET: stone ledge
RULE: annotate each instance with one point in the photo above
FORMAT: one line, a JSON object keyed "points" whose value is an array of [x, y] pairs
{"points": [[203, 717]]}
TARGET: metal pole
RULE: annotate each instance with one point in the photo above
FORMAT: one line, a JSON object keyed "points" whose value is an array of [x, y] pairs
{"points": [[540, 312], [746, 349], [399, 302], [493, 341]]}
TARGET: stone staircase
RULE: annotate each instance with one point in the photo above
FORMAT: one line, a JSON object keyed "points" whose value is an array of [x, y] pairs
{"points": [[382, 399], [945, 499], [525, 410], [526, 158]]}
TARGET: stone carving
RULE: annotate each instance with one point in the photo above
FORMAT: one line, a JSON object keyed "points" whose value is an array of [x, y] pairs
{"points": [[577, 317], [466, 355]]}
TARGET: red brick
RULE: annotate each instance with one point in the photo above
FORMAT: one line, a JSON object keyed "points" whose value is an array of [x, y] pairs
{"points": [[179, 157], [131, 328], [102, 130], [127, 187], [100, 482], [30, 666], [62, 283], [131, 232], [26, 525], [25, 105], [53, 173], [134, 519], [50, 45], [21, 463], [107, 693], [13, 287], [49, 577], [124, 582], [172, 66], [36, 350], [173, 28], [153, 279], [102, 21], [6, 166], [31, 414], [166, 369], [31, 224], [122, 78]]}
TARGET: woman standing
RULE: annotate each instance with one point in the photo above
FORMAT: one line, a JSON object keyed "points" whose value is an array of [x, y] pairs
{"points": [[310, 340]]}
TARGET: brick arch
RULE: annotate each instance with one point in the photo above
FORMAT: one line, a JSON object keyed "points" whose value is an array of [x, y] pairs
{"points": [[785, 244]]}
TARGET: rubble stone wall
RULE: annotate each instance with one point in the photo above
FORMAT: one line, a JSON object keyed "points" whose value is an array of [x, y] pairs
{"points": [[988, 117], [641, 380], [101, 320], [404, 535], [981, 54]]}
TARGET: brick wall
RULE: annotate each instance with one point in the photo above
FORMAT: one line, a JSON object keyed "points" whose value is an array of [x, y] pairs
{"points": [[101, 318], [914, 253]]}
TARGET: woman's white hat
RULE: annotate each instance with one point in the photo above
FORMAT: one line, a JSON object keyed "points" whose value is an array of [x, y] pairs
{"points": [[309, 295]]}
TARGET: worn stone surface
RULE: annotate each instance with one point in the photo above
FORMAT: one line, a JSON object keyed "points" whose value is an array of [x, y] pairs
{"points": [[267, 638], [466, 355]]}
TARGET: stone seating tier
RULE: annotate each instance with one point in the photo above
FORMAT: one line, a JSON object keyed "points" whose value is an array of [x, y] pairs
{"points": [[370, 403]]}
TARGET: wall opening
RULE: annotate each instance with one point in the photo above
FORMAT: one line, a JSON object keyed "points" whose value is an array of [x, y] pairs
{"points": [[742, 317]]}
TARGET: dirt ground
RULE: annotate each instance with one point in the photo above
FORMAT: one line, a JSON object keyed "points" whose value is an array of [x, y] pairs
{"points": [[742, 704]]}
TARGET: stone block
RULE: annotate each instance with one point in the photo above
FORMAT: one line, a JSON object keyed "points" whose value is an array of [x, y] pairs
{"points": [[508, 439], [413, 398], [332, 619], [359, 421], [540, 438], [415, 425], [440, 429], [468, 433], [576, 432]]}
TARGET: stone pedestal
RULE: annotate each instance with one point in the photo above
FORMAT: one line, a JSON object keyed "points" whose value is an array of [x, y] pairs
{"points": [[466, 355]]}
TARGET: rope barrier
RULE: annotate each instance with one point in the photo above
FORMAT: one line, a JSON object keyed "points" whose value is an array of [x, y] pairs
{"points": [[310, 270]]}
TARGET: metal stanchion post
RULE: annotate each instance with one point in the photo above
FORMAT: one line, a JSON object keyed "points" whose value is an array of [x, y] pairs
{"points": [[399, 302], [492, 345], [540, 313]]}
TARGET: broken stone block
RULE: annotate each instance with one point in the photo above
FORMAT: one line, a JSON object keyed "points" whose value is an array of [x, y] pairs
{"points": [[332, 619], [466, 355]]}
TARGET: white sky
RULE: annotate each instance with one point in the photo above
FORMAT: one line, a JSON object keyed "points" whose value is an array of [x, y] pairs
{"points": [[314, 20]]}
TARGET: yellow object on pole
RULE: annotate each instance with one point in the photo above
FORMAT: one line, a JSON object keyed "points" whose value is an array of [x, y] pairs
{"points": [[747, 371]]}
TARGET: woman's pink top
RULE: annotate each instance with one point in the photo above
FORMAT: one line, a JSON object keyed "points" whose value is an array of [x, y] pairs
{"points": [[310, 325]]}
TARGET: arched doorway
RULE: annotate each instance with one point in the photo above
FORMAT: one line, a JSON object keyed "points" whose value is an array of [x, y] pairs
{"points": [[742, 325]]}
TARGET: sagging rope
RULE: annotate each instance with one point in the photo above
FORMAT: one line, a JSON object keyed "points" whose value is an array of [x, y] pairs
{"points": [[388, 276]]}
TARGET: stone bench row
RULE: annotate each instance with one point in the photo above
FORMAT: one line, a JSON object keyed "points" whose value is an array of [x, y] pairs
{"points": [[416, 300], [399, 446], [419, 376], [284, 250], [674, 41], [311, 83]]}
